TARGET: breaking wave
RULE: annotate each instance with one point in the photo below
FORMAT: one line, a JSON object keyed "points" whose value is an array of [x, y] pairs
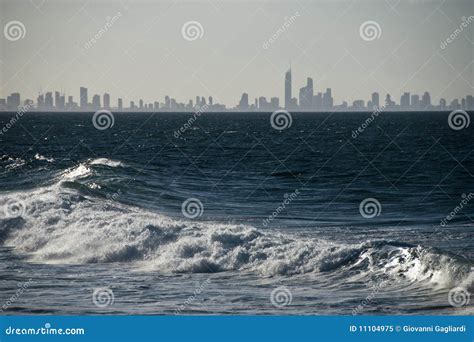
{"points": [[61, 225]]}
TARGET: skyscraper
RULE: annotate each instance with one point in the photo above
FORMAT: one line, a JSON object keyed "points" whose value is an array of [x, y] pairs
{"points": [[106, 101], [244, 102], [13, 101], [48, 101], [405, 101], [415, 101], [327, 99], [96, 102], [306, 95], [426, 100], [288, 89], [119, 104], [83, 98], [375, 100]]}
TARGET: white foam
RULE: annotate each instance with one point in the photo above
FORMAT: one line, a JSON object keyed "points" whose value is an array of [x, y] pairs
{"points": [[41, 157], [61, 227], [107, 162]]}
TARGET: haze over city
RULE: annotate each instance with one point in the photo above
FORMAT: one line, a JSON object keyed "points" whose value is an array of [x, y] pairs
{"points": [[138, 50]]}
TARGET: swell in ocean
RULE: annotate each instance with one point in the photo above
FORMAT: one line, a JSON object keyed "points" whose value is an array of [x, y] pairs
{"points": [[62, 223]]}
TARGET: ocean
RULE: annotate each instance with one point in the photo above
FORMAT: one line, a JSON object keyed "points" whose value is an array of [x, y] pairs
{"points": [[225, 213]]}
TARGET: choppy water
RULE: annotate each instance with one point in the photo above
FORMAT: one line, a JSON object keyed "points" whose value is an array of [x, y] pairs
{"points": [[86, 209]]}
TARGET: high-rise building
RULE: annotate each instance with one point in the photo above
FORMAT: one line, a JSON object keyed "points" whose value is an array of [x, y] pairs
{"points": [[120, 104], [375, 100], [405, 101], [13, 101], [358, 105], [48, 100], [426, 100], [40, 101], [415, 101], [106, 101], [442, 104], [327, 99], [318, 101], [469, 102], [3, 104], [388, 102], [244, 102], [83, 98], [306, 95], [288, 89], [211, 100], [275, 103], [96, 102]]}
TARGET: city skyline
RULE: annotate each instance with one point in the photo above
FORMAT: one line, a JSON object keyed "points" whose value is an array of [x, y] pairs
{"points": [[307, 100], [140, 50]]}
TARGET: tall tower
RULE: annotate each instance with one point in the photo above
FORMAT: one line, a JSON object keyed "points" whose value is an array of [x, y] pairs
{"points": [[83, 98], [288, 89]]}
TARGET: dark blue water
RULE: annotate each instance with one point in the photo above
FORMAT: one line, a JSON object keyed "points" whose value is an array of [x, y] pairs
{"points": [[88, 209]]}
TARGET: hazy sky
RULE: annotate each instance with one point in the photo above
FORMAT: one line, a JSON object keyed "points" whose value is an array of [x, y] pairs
{"points": [[143, 53]]}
